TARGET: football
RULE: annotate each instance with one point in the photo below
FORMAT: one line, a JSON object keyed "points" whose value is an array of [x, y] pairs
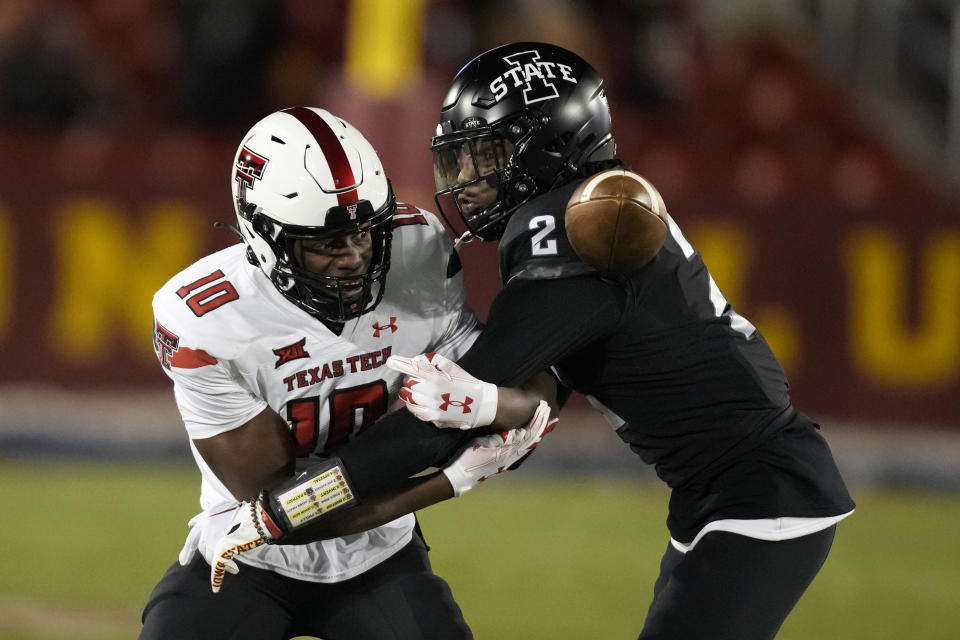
{"points": [[616, 221]]}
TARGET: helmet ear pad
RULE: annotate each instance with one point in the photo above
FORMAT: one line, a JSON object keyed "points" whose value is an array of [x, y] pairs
{"points": [[259, 233], [262, 226], [555, 150], [522, 187]]}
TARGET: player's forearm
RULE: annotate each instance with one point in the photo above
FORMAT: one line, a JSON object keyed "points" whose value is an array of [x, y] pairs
{"points": [[533, 325], [257, 455], [418, 493], [515, 405], [396, 447]]}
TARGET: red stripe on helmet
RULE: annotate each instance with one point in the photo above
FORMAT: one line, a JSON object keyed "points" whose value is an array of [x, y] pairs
{"points": [[332, 150], [349, 196]]}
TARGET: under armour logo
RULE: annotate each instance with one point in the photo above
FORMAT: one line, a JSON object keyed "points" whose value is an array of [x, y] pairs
{"points": [[392, 325], [465, 404]]}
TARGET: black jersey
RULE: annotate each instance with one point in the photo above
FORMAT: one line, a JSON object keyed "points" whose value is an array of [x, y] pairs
{"points": [[691, 386]]}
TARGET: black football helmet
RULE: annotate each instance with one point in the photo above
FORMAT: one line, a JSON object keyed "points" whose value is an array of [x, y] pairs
{"points": [[517, 121]]}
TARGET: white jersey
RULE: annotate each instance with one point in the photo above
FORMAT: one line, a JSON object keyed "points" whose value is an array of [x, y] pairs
{"points": [[234, 345]]}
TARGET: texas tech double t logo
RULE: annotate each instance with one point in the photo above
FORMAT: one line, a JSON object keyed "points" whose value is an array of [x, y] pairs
{"points": [[249, 167]]}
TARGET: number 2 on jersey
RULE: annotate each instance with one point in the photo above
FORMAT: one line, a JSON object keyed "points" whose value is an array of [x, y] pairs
{"points": [[543, 246], [351, 410]]}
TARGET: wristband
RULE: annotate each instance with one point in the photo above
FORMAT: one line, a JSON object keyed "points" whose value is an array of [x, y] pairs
{"points": [[316, 491], [459, 479], [487, 411], [268, 530]]}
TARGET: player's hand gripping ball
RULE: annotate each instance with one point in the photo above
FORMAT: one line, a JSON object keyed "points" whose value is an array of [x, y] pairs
{"points": [[616, 221]]}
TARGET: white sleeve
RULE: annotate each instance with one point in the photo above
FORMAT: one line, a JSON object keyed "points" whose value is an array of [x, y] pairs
{"points": [[462, 327], [211, 402], [211, 398], [461, 332]]}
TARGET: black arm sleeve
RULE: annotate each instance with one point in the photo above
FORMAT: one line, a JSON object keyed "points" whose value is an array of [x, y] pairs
{"points": [[531, 326], [395, 447], [534, 324]]}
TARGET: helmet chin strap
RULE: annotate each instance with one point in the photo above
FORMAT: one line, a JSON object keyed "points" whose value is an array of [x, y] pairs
{"points": [[470, 236], [227, 225], [493, 181], [463, 239]]}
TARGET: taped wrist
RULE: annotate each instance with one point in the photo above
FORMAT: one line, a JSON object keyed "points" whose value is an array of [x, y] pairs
{"points": [[487, 411], [459, 479], [313, 493]]}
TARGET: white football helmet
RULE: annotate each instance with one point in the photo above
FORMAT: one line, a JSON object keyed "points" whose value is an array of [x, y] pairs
{"points": [[305, 174]]}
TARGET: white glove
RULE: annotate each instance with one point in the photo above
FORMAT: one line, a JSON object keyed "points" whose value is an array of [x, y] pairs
{"points": [[438, 390], [193, 540], [489, 455], [247, 532]]}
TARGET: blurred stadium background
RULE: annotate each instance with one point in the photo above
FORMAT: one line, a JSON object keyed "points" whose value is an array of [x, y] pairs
{"points": [[809, 148]]}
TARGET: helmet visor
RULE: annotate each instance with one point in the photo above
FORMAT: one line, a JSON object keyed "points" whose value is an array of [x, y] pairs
{"points": [[461, 160], [468, 172]]}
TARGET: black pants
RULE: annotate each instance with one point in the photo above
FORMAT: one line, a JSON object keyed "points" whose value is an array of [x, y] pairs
{"points": [[732, 587], [400, 598]]}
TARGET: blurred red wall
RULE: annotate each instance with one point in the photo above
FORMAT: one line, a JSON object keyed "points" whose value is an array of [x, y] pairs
{"points": [[847, 261]]}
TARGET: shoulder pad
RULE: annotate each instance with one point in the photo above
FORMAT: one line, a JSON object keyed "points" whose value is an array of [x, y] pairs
{"points": [[535, 244], [409, 215], [214, 285]]}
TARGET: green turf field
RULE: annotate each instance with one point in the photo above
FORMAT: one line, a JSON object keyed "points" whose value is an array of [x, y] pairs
{"points": [[527, 557]]}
